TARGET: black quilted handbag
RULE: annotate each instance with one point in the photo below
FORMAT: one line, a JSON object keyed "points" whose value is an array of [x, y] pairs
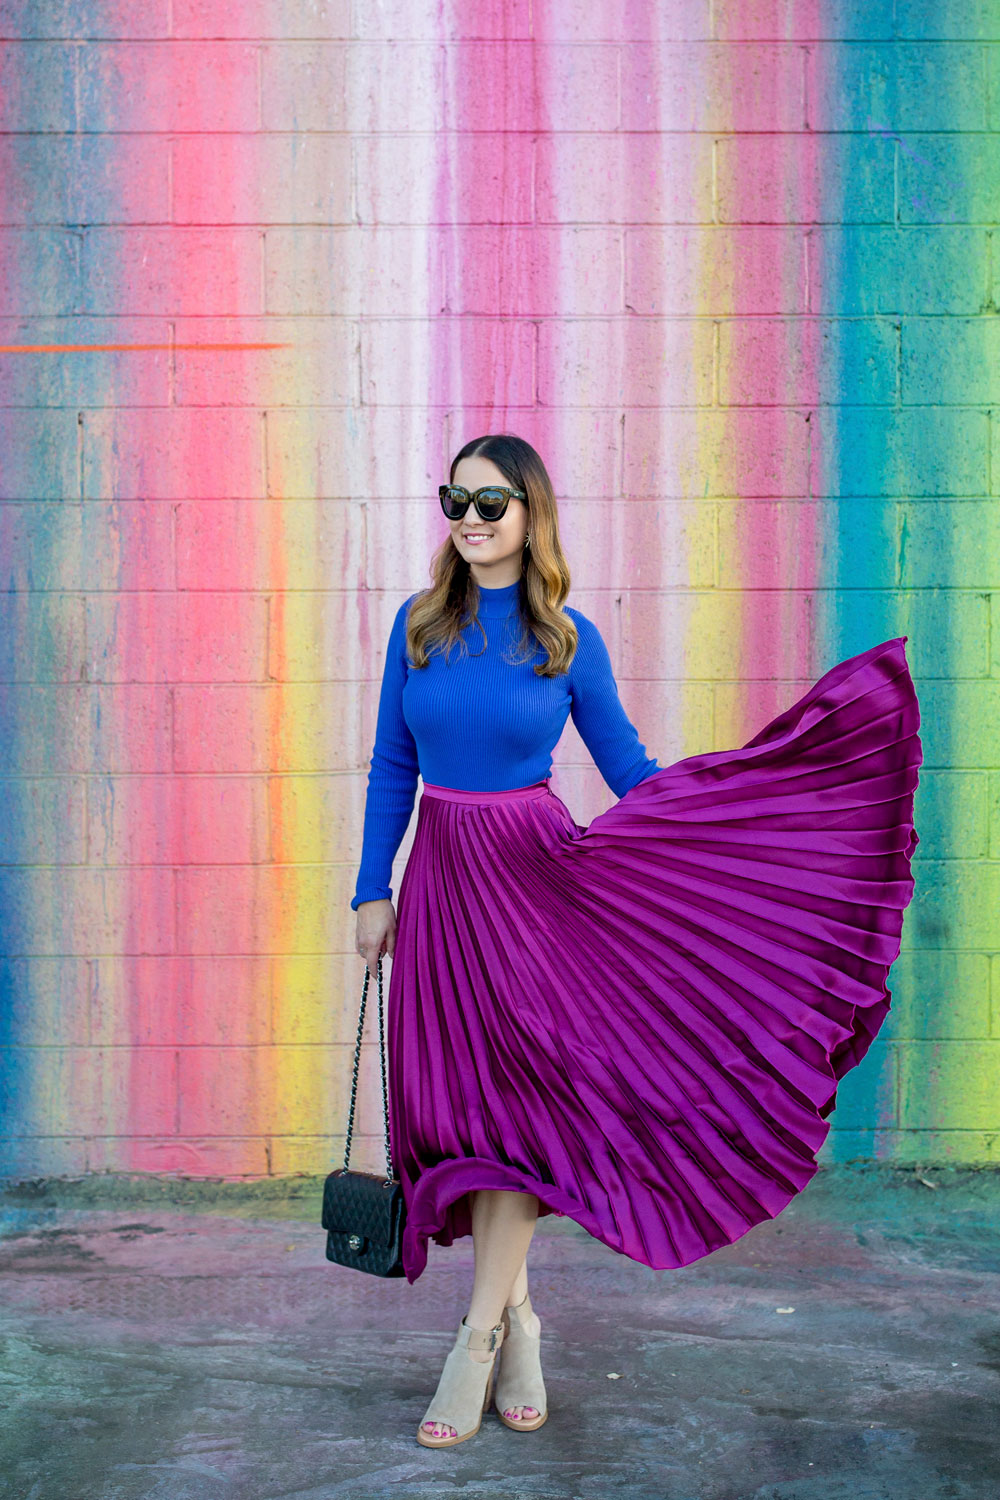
{"points": [[364, 1215]]}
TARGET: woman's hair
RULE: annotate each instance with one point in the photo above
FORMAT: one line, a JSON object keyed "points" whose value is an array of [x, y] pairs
{"points": [[437, 614]]}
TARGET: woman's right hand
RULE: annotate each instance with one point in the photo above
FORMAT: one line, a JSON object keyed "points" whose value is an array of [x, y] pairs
{"points": [[376, 932]]}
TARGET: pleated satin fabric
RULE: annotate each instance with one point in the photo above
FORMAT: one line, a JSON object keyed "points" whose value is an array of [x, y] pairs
{"points": [[644, 1021]]}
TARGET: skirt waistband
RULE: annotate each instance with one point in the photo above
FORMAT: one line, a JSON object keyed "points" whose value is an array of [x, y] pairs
{"points": [[516, 794]]}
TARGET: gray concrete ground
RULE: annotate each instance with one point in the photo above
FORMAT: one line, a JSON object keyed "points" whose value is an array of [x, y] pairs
{"points": [[178, 1341]]}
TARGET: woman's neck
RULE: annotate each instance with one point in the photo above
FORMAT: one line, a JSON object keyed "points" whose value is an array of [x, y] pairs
{"points": [[501, 597]]}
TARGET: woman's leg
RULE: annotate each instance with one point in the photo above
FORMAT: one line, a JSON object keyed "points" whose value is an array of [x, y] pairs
{"points": [[502, 1226]]}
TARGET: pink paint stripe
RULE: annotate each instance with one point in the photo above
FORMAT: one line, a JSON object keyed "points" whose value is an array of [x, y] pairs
{"points": [[483, 348]]}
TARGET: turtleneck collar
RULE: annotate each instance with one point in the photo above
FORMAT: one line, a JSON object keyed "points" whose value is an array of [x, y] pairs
{"points": [[498, 601]]}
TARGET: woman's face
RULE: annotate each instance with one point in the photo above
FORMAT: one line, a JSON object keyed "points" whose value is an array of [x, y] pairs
{"points": [[496, 560]]}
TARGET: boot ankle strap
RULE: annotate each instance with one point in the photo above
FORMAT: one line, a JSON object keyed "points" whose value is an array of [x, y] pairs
{"points": [[482, 1339], [523, 1310]]}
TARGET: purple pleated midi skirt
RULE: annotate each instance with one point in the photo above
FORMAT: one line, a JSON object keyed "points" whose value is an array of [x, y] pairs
{"points": [[643, 1021]]}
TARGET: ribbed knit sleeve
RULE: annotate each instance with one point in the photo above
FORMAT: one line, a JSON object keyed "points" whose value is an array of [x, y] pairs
{"points": [[392, 777], [597, 711]]}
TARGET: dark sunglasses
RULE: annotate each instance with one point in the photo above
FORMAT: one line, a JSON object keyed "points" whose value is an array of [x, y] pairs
{"points": [[491, 501]]}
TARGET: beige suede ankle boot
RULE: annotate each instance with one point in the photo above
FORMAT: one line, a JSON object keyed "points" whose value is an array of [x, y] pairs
{"points": [[463, 1392], [519, 1379]]}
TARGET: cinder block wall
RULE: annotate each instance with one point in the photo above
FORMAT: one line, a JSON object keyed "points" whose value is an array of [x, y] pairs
{"points": [[730, 266]]}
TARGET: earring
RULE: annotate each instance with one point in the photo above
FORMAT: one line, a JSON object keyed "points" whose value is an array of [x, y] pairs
{"points": [[527, 538]]}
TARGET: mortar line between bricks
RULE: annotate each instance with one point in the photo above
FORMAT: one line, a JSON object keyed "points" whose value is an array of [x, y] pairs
{"points": [[716, 569], [990, 426], [715, 362], [175, 912], [532, 184], [990, 608], [81, 485], [534, 361], [807, 274], [77, 87], [269, 857], [781, 43], [679, 133], [973, 497], [128, 228], [268, 598], [172, 769], [896, 210], [226, 1045], [668, 591], [175, 506], [989, 292], [714, 183], [91, 969], [897, 39], [86, 841], [984, 69], [355, 330], [89, 777], [421, 319]]}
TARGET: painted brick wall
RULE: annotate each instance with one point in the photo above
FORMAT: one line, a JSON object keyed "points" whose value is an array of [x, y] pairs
{"points": [[730, 266]]}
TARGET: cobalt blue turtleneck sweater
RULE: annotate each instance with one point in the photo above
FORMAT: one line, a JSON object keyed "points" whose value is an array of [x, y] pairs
{"points": [[477, 722]]}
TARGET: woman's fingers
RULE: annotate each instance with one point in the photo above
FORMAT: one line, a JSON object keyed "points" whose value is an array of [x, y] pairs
{"points": [[370, 944]]}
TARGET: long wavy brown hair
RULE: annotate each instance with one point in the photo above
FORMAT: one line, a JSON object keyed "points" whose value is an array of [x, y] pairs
{"points": [[438, 614]]}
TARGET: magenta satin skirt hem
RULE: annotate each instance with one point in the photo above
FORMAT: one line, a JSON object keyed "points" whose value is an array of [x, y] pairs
{"points": [[644, 1021], [441, 1211]]}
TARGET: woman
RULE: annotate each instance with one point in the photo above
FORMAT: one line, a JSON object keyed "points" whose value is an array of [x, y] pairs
{"points": [[640, 1023]]}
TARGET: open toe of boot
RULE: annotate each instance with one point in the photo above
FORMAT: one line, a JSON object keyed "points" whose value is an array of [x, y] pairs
{"points": [[519, 1380], [464, 1390]]}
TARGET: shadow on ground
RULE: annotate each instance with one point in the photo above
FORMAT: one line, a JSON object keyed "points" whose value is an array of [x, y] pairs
{"points": [[170, 1340]]}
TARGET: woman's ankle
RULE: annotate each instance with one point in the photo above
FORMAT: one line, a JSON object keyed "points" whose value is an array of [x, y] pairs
{"points": [[480, 1323], [517, 1293]]}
